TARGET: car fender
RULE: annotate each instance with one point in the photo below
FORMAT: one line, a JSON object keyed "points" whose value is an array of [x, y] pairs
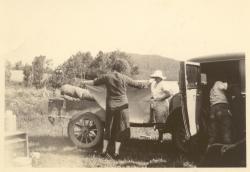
{"points": [[99, 112]]}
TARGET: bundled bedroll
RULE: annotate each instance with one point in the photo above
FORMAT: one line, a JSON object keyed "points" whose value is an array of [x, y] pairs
{"points": [[71, 92]]}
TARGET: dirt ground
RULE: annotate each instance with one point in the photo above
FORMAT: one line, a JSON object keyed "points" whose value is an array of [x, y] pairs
{"points": [[136, 152]]}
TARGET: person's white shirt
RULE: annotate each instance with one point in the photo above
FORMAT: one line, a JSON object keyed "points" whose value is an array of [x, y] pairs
{"points": [[159, 90], [217, 93]]}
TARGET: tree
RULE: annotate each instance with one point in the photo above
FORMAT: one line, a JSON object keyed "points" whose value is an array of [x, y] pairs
{"points": [[76, 66], [48, 66], [7, 71], [134, 69], [104, 61], [38, 65], [100, 65], [27, 72], [82, 65], [18, 65]]}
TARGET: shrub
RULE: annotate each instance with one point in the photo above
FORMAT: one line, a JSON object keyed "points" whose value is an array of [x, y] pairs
{"points": [[38, 70]]}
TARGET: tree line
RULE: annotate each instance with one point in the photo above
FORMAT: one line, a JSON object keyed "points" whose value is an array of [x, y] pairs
{"points": [[81, 65]]}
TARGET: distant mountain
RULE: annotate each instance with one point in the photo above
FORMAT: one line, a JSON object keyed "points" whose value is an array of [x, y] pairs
{"points": [[149, 63]]}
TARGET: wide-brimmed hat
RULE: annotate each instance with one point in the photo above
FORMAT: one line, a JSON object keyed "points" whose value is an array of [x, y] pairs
{"points": [[158, 74]]}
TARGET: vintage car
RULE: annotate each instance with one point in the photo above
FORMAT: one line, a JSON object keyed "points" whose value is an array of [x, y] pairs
{"points": [[188, 108], [87, 112]]}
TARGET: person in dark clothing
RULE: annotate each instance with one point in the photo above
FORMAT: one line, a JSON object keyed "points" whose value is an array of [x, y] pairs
{"points": [[117, 116], [220, 119], [219, 125]]}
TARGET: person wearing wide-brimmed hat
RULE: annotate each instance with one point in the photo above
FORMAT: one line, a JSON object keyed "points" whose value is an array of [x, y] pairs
{"points": [[159, 103]]}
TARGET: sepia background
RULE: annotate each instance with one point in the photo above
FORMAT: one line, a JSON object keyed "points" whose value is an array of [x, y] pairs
{"points": [[168, 28]]}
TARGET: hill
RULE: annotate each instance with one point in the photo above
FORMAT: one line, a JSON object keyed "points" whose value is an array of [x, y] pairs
{"points": [[148, 63]]}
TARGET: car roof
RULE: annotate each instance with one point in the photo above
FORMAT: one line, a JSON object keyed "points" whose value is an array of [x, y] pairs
{"points": [[219, 57]]}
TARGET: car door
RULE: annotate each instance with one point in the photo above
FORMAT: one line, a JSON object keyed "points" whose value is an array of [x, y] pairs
{"points": [[190, 91]]}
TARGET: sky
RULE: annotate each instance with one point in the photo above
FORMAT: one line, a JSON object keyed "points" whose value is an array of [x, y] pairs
{"points": [[171, 28]]}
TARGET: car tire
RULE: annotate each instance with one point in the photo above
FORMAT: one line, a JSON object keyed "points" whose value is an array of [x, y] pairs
{"points": [[85, 130]]}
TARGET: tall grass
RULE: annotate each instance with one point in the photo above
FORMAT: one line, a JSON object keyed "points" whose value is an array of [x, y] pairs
{"points": [[30, 106]]}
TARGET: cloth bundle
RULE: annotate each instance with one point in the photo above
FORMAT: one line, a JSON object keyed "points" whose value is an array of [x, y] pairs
{"points": [[76, 92]]}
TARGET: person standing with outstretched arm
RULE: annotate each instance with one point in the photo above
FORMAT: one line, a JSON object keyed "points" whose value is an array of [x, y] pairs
{"points": [[117, 114]]}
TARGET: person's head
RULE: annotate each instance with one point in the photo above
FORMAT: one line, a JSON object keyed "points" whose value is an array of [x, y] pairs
{"points": [[121, 66], [157, 76]]}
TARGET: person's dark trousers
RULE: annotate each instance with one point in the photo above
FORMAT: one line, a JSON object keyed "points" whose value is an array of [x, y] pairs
{"points": [[220, 124], [117, 125]]}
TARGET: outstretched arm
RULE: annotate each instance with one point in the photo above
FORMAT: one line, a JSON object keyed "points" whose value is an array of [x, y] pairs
{"points": [[98, 81], [89, 82], [137, 84], [84, 83]]}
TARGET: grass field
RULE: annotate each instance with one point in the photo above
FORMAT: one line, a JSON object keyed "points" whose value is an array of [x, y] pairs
{"points": [[59, 152], [142, 150]]}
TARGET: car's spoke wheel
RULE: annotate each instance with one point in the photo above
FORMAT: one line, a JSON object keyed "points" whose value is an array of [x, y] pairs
{"points": [[85, 130]]}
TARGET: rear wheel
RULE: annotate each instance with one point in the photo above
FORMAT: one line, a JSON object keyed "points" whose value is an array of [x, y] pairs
{"points": [[85, 130]]}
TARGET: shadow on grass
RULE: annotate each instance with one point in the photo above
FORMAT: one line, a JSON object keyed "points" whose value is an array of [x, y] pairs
{"points": [[134, 152], [148, 149]]}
